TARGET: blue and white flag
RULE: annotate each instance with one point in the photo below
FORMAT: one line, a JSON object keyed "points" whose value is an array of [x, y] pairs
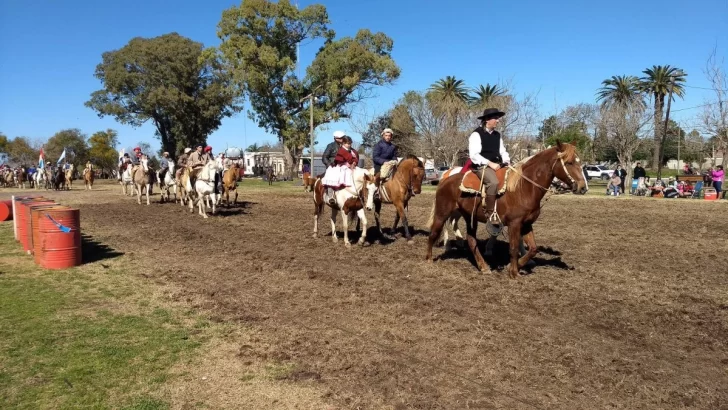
{"points": [[63, 156]]}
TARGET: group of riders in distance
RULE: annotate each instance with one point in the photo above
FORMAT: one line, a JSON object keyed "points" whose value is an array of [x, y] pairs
{"points": [[487, 188], [200, 177]]}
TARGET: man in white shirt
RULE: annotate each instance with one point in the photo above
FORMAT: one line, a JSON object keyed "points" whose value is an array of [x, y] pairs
{"points": [[486, 149]]}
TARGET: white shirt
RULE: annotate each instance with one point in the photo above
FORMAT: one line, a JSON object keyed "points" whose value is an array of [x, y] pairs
{"points": [[475, 147]]}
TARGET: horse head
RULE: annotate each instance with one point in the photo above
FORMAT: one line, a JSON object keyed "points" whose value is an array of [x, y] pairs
{"points": [[568, 168], [413, 172]]}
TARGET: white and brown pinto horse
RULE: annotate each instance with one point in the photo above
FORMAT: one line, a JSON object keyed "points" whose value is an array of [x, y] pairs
{"points": [[350, 201]]}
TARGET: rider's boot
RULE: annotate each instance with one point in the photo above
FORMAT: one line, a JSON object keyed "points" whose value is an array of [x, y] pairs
{"points": [[490, 208], [330, 193], [377, 182]]}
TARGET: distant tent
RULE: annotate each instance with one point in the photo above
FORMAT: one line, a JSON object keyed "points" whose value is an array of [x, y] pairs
{"points": [[233, 153]]}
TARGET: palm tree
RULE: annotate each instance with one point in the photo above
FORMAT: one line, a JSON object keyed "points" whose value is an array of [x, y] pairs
{"points": [[483, 94], [658, 82], [450, 90], [450, 95], [620, 91]]}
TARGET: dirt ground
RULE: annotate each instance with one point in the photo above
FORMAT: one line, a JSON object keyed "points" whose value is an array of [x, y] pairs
{"points": [[626, 308]]}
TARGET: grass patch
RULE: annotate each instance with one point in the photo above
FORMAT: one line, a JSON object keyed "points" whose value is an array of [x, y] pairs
{"points": [[83, 337]]}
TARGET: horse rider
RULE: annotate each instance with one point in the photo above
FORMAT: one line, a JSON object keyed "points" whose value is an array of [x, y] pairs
{"points": [[385, 158], [89, 167], [197, 160], [340, 174], [486, 149], [182, 162], [163, 166], [330, 152]]}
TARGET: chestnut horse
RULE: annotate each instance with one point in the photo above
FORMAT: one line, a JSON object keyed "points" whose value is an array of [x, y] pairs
{"points": [[518, 208], [405, 183]]}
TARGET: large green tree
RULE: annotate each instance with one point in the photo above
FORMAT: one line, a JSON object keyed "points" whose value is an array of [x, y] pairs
{"points": [[657, 82], [374, 130], [170, 81], [3, 142], [21, 152], [259, 40], [73, 141], [102, 150]]}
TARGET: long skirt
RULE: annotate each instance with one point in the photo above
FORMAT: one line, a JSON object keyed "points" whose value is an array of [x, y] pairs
{"points": [[337, 177]]}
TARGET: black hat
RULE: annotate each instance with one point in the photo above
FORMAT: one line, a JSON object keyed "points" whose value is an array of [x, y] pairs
{"points": [[489, 113]]}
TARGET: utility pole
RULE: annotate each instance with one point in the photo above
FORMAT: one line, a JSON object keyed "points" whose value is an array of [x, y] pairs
{"points": [[310, 102]]}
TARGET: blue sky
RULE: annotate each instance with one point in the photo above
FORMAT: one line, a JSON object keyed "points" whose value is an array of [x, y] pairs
{"points": [[560, 49]]}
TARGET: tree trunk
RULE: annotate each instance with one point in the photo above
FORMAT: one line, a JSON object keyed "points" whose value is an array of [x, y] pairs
{"points": [[659, 129], [292, 156]]}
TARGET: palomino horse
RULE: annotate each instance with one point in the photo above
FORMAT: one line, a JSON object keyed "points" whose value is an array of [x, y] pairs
{"points": [[169, 182], [230, 183], [68, 174], [141, 179], [350, 201], [204, 187], [88, 177], [518, 208], [405, 183]]}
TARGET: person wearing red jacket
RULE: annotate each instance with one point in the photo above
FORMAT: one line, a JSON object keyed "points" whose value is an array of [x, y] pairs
{"points": [[340, 175]]}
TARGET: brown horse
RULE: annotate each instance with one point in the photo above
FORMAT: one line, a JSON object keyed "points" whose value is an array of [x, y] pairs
{"points": [[405, 183], [270, 175], [230, 183], [525, 185], [308, 182]]}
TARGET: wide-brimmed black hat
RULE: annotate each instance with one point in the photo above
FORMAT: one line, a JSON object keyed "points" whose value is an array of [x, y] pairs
{"points": [[489, 113]]}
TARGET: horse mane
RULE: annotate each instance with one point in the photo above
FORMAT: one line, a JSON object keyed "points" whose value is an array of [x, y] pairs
{"points": [[513, 180], [418, 162]]}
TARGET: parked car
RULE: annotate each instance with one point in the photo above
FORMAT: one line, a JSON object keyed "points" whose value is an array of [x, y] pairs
{"points": [[432, 176], [598, 171]]}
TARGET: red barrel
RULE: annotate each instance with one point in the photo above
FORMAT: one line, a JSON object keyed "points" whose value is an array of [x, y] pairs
{"points": [[31, 228], [23, 216], [60, 238], [16, 204], [6, 210]]}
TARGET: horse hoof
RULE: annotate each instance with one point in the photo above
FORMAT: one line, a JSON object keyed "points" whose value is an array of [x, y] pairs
{"points": [[410, 242], [347, 244]]}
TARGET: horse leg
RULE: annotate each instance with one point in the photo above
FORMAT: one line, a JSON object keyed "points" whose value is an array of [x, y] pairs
{"points": [[363, 218], [235, 201], [334, 212], [317, 208], [148, 188], [438, 223], [201, 206], [214, 201], [377, 210], [514, 236], [530, 240], [139, 194], [472, 230], [345, 221], [401, 213]]}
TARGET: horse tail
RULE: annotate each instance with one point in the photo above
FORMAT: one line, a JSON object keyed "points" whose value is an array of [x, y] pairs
{"points": [[431, 221]]}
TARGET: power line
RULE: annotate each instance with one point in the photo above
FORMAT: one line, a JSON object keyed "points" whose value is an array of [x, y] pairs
{"points": [[704, 88]]}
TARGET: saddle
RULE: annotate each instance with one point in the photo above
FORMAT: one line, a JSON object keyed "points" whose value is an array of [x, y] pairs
{"points": [[471, 182]]}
